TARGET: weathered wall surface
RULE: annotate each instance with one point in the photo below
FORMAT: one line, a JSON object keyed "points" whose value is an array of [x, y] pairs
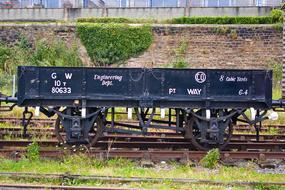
{"points": [[201, 46], [29, 14], [214, 46]]}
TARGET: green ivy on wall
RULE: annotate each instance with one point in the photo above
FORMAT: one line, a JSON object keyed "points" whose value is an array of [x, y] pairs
{"points": [[113, 43]]}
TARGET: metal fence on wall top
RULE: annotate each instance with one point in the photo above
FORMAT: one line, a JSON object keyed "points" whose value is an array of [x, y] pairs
{"points": [[7, 4]]}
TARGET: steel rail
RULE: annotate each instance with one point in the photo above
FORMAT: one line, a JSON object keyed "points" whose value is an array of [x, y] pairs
{"points": [[55, 187], [133, 179], [48, 121], [106, 144], [155, 136], [228, 156]]}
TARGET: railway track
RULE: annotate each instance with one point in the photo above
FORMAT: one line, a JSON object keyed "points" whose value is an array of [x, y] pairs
{"points": [[55, 187], [47, 125], [131, 179], [152, 136], [139, 144], [153, 155], [34, 121], [156, 145]]}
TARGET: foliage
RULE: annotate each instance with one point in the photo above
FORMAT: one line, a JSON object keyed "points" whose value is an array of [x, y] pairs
{"points": [[52, 53], [222, 30], [222, 20], [233, 34], [211, 159], [278, 26], [115, 20], [55, 54], [277, 78], [113, 43], [277, 72], [5, 54], [179, 61], [277, 15], [24, 43], [33, 151]]}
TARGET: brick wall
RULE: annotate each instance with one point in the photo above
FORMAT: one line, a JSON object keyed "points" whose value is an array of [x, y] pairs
{"points": [[201, 46]]}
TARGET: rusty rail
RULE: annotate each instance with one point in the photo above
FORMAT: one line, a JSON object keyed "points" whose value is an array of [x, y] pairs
{"points": [[132, 179]]}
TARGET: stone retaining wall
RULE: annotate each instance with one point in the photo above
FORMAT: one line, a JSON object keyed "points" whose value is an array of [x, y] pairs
{"points": [[201, 46]]}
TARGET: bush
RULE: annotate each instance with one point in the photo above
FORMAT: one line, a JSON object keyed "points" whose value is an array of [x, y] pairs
{"points": [[105, 20], [277, 15], [211, 159], [222, 20], [113, 43], [11, 57], [5, 54], [55, 53], [115, 20]]}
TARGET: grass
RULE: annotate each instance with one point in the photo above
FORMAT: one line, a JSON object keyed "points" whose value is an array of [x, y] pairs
{"points": [[126, 168], [80, 164]]}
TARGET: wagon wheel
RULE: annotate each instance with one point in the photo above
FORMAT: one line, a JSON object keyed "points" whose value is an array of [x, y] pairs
{"points": [[97, 128], [193, 133]]}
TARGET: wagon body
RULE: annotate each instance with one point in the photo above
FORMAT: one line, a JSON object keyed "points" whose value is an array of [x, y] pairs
{"points": [[137, 87]]}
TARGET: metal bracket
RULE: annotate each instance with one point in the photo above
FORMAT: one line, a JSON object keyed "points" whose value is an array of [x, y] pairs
{"points": [[77, 128], [144, 125], [26, 120]]}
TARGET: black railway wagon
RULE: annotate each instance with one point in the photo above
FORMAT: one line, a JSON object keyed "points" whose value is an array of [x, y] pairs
{"points": [[206, 102], [131, 87]]}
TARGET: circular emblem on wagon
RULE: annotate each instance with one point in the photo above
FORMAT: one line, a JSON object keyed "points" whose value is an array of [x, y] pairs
{"points": [[200, 77]]}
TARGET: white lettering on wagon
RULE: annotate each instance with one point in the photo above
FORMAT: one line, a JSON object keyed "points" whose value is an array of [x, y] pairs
{"points": [[107, 80], [200, 77], [68, 75], [243, 92], [60, 86], [232, 79], [53, 75], [194, 91], [171, 91]]}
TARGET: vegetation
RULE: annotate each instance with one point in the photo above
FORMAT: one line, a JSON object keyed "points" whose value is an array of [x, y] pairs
{"points": [[222, 20], [33, 151], [55, 53], [80, 164], [211, 159], [277, 78], [112, 43], [276, 16], [115, 20], [43, 53], [179, 61]]}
